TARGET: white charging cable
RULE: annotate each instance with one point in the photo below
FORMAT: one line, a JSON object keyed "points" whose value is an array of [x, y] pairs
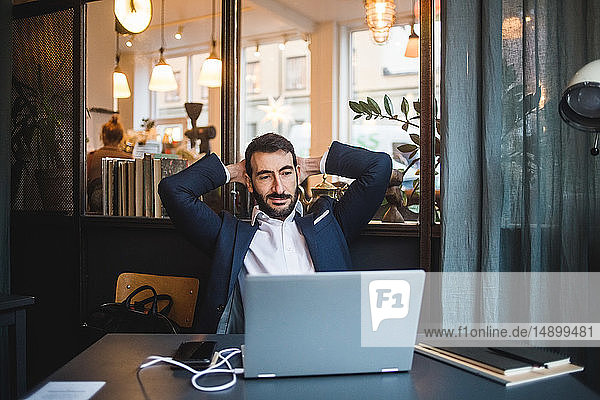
{"points": [[223, 357]]}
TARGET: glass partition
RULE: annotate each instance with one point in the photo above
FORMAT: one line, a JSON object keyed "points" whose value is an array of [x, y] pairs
{"points": [[299, 67], [136, 136]]}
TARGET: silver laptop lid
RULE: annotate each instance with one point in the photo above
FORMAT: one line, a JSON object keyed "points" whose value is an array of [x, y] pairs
{"points": [[331, 322]]}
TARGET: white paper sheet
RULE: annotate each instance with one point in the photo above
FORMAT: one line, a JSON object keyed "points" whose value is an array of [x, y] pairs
{"points": [[67, 391]]}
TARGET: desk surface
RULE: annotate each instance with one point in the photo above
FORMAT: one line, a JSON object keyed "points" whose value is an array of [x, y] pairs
{"points": [[115, 359]]}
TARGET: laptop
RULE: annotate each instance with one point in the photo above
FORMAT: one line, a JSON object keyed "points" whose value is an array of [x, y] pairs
{"points": [[331, 323]]}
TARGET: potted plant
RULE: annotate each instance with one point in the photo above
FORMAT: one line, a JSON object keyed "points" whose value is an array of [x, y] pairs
{"points": [[402, 201], [39, 117], [149, 127]]}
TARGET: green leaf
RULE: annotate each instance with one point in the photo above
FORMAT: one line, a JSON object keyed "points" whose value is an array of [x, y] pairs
{"points": [[389, 107], [414, 208], [413, 153], [405, 126], [374, 106], [415, 138], [404, 107], [368, 117], [407, 148], [355, 106], [365, 107], [417, 106], [357, 116]]}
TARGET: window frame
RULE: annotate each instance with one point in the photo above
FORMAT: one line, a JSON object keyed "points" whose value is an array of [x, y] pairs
{"points": [[230, 101]]}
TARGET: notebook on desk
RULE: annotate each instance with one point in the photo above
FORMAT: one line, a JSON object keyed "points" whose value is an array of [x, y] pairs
{"points": [[331, 323], [507, 365]]}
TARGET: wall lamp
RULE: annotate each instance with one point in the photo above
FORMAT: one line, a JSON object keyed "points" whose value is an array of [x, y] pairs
{"points": [[580, 103]]}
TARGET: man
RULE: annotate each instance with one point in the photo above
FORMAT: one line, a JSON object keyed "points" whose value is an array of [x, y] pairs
{"points": [[280, 239]]}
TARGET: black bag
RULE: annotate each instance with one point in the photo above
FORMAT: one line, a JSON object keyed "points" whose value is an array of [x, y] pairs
{"points": [[125, 317]]}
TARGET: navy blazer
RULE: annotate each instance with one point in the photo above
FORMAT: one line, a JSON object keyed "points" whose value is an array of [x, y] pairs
{"points": [[227, 239]]}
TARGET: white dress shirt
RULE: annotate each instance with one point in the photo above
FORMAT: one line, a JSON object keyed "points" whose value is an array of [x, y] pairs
{"points": [[278, 247]]}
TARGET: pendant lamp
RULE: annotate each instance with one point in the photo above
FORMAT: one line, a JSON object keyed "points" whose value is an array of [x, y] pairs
{"points": [[210, 73], [133, 15], [120, 84], [381, 15], [412, 47], [162, 78]]}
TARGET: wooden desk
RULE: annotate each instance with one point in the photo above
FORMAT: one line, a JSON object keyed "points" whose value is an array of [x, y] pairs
{"points": [[115, 359]]}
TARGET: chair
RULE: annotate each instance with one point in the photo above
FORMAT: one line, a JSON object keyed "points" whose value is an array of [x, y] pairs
{"points": [[183, 291]]}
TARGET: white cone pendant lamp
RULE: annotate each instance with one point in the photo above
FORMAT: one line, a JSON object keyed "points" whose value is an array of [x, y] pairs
{"points": [[210, 73], [412, 47], [212, 67], [162, 78], [120, 84]]}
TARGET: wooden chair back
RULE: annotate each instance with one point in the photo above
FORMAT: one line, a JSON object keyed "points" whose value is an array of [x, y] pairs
{"points": [[183, 291]]}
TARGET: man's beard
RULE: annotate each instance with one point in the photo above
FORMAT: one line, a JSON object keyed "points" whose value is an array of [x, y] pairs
{"points": [[280, 213]]}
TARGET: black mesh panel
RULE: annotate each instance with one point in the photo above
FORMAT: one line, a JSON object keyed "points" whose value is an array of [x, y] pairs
{"points": [[42, 113]]}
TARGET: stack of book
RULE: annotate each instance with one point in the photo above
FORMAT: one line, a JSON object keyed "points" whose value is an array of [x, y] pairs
{"points": [[130, 186], [507, 365]]}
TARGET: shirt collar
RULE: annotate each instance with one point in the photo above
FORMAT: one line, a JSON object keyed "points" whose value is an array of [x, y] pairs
{"points": [[258, 213]]}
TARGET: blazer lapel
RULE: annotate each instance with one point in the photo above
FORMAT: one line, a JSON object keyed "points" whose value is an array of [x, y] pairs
{"points": [[245, 233]]}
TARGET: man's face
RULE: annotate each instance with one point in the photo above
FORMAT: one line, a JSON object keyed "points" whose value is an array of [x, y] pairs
{"points": [[274, 183]]}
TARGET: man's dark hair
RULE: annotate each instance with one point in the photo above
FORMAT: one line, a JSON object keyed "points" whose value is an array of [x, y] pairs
{"points": [[268, 143]]}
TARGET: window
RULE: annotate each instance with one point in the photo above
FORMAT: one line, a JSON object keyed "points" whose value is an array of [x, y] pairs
{"points": [[277, 95], [295, 73], [253, 77], [383, 70], [376, 71]]}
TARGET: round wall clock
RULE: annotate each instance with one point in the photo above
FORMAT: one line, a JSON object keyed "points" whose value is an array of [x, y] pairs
{"points": [[133, 15]]}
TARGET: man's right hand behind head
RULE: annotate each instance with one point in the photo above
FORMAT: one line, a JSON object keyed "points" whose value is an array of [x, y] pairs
{"points": [[237, 172]]}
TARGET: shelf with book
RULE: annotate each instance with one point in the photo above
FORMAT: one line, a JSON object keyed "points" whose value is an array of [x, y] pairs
{"points": [[130, 186]]}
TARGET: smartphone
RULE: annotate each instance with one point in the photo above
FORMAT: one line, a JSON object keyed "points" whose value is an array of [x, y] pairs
{"points": [[195, 354]]}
